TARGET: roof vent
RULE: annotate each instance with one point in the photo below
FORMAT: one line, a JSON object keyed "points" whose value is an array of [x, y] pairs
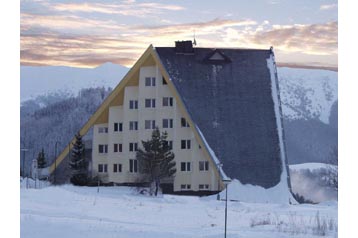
{"points": [[184, 47]]}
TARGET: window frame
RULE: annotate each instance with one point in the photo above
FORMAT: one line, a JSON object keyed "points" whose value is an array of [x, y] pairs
{"points": [[169, 122], [203, 165], [133, 104], [133, 166], [185, 166], [133, 125], [104, 149]]}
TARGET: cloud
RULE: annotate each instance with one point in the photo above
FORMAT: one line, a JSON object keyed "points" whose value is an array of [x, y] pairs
{"points": [[320, 39], [77, 40], [129, 8], [328, 7], [124, 45], [67, 22]]}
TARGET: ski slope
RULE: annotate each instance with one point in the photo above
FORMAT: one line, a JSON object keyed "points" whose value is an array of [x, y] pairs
{"points": [[68, 211]]}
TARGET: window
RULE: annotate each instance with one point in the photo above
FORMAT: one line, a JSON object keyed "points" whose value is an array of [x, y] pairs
{"points": [[117, 148], [133, 166], [117, 168], [169, 143], [133, 125], [164, 82], [118, 126], [203, 186], [102, 168], [102, 129], [133, 147], [167, 123], [203, 165], [185, 144], [167, 101], [133, 104], [185, 166], [184, 122], [185, 186], [103, 149], [150, 81], [149, 124], [150, 103]]}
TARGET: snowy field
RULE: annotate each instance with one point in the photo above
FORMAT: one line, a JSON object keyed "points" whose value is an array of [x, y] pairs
{"points": [[68, 211]]}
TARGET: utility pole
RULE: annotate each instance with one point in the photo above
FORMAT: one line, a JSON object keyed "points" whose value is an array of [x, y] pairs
{"points": [[226, 182]]}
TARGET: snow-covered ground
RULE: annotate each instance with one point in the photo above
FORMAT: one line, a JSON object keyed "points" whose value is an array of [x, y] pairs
{"points": [[68, 211]]}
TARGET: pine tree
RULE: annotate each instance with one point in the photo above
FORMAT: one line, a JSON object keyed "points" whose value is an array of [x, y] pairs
{"points": [[157, 159], [78, 163], [41, 160]]}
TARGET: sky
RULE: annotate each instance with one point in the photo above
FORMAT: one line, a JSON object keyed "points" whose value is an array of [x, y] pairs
{"points": [[90, 33]]}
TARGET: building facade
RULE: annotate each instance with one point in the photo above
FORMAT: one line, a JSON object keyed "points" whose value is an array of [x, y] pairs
{"points": [[148, 105], [220, 107]]}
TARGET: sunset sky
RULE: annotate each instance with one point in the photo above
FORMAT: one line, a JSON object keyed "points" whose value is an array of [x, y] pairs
{"points": [[90, 33]]}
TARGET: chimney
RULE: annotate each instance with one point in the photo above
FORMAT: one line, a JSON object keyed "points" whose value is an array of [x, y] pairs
{"points": [[184, 47]]}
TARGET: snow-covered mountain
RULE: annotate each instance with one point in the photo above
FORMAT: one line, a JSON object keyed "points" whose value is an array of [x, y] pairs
{"points": [[307, 93], [36, 81]]}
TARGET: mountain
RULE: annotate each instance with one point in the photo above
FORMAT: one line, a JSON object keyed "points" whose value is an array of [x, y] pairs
{"points": [[307, 93], [39, 80], [309, 103], [310, 109]]}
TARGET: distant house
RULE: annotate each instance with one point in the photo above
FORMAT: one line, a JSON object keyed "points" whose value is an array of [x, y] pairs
{"points": [[220, 107]]}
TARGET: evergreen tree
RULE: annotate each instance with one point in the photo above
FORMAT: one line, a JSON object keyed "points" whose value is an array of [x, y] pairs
{"points": [[156, 160], [78, 163], [41, 160]]}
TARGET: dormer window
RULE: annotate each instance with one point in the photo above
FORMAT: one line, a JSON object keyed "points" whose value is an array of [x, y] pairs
{"points": [[217, 57]]}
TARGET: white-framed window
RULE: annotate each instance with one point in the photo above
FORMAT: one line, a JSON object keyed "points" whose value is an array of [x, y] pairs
{"points": [[185, 166], [133, 104], [167, 123], [118, 126], [117, 148], [184, 123], [167, 101], [102, 168], [149, 124], [102, 130], [103, 149], [133, 146], [170, 144], [133, 125], [184, 187], [203, 186], [203, 165], [149, 103], [133, 166], [149, 81], [117, 168], [185, 144]]}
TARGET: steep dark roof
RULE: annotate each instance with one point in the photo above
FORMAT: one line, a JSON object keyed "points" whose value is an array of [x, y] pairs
{"points": [[230, 100]]}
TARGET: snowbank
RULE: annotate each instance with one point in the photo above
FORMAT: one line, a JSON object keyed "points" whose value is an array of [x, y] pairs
{"points": [[310, 166], [257, 194]]}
